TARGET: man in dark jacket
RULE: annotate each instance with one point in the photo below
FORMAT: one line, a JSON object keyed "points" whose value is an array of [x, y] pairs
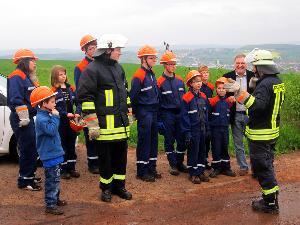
{"points": [[238, 118], [103, 94]]}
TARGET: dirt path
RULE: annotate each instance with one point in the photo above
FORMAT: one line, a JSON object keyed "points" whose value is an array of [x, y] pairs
{"points": [[171, 200]]}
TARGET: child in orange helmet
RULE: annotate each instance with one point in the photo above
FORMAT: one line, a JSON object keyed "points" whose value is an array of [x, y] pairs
{"points": [[194, 114], [49, 145], [65, 99]]}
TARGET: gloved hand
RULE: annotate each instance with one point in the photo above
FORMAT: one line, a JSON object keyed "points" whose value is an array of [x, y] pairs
{"points": [[252, 82], [231, 99], [161, 128], [23, 115], [93, 125], [188, 141], [231, 86], [55, 112]]}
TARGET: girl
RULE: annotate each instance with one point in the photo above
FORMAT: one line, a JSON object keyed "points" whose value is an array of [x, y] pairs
{"points": [[65, 100]]}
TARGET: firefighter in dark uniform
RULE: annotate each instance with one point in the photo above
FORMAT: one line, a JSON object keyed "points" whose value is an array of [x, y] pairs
{"points": [[103, 94], [262, 130], [88, 45]]}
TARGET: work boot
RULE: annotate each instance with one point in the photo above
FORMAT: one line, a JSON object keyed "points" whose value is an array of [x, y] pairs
{"points": [[123, 193], [182, 168], [243, 172], [215, 173], [268, 204], [156, 175], [146, 178], [37, 180], [94, 171], [54, 210], [173, 171], [74, 173], [61, 202], [195, 179], [65, 175], [106, 196], [229, 173], [203, 178], [207, 166], [31, 187]]}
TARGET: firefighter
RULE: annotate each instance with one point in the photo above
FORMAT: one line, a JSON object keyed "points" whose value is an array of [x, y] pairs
{"points": [[171, 89], [88, 45], [20, 84], [208, 89], [145, 102], [103, 94], [262, 129], [194, 119]]}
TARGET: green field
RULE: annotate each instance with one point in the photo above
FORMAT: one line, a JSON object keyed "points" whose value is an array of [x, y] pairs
{"points": [[290, 126]]}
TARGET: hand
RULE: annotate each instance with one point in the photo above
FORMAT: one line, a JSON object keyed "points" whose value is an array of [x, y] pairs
{"points": [[70, 115], [55, 112], [161, 128], [231, 99], [231, 86], [76, 115], [93, 125], [23, 114], [24, 122], [252, 82], [94, 133]]}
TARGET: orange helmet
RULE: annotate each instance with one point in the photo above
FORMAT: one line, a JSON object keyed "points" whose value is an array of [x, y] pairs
{"points": [[222, 80], [22, 54], [85, 40], [146, 50], [39, 94], [168, 56], [191, 75], [77, 126]]}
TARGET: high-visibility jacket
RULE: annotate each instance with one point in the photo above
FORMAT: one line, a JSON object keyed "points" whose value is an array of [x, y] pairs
{"points": [[263, 108], [171, 90], [102, 89]]}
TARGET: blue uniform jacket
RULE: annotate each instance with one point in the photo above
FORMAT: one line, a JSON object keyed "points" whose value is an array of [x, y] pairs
{"points": [[79, 68], [47, 137], [194, 113], [171, 90], [61, 103], [220, 111], [207, 89], [144, 90], [19, 88]]}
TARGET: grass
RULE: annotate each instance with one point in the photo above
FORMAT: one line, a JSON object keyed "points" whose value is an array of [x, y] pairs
{"points": [[289, 139]]}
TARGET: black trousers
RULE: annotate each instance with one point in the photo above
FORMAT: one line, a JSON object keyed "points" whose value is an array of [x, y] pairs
{"points": [[261, 158], [112, 164]]}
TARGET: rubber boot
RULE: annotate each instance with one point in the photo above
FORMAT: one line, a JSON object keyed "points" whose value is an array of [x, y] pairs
{"points": [[268, 204]]}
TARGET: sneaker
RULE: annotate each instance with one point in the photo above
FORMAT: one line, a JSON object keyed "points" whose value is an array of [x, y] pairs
{"points": [[229, 173], [123, 193], [65, 175], [31, 187], [195, 179], [146, 178], [173, 171], [203, 178], [182, 168], [94, 171], [54, 210], [215, 173], [243, 172], [61, 202], [74, 173], [106, 196]]}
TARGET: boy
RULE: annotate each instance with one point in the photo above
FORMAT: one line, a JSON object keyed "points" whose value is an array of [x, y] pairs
{"points": [[48, 145], [219, 122], [207, 88], [194, 125]]}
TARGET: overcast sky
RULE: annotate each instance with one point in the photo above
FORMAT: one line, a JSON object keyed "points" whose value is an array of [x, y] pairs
{"points": [[62, 23]]}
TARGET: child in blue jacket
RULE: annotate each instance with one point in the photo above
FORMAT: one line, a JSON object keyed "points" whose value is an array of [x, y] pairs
{"points": [[48, 145], [194, 122], [219, 123], [65, 99]]}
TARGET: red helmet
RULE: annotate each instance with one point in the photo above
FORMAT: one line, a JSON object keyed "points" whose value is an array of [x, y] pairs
{"points": [[39, 94], [77, 126], [168, 56], [22, 54]]}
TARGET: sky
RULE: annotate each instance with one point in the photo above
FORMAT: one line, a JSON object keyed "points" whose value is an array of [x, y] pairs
{"points": [[62, 23]]}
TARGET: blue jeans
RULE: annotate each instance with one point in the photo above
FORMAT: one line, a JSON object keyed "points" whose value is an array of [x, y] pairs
{"points": [[238, 129], [52, 189]]}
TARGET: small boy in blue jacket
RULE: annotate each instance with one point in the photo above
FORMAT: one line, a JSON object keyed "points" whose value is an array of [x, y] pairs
{"points": [[48, 145], [219, 123]]}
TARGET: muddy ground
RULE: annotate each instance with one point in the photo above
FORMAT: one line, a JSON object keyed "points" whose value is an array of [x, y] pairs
{"points": [[171, 200]]}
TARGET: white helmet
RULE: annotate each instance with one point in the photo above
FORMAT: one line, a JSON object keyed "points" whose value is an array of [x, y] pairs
{"points": [[260, 57], [108, 41]]}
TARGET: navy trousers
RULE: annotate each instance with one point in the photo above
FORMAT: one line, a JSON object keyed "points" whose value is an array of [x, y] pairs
{"points": [[92, 155]]}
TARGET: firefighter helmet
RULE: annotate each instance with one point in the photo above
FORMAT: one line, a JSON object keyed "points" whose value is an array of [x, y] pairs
{"points": [[168, 56], [39, 94]]}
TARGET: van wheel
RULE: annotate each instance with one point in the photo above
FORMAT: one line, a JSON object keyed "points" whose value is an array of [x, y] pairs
{"points": [[14, 151]]}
